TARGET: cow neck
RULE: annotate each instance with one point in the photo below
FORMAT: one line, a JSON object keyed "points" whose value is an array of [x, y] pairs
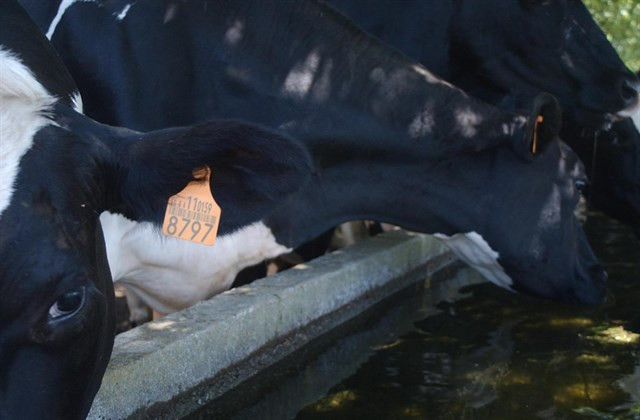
{"points": [[412, 194]]}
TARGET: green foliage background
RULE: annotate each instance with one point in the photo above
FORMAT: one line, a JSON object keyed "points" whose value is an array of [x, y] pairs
{"points": [[620, 20]]}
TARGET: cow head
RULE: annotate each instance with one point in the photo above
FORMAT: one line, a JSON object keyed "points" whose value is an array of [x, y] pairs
{"points": [[611, 158], [540, 45], [514, 220], [58, 171]]}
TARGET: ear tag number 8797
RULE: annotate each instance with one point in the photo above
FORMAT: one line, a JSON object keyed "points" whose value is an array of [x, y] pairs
{"points": [[192, 214]]}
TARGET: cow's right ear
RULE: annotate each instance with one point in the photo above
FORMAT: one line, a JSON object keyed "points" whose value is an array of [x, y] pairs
{"points": [[253, 169], [543, 126]]}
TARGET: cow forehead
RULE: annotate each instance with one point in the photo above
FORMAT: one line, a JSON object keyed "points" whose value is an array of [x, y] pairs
{"points": [[25, 104]]}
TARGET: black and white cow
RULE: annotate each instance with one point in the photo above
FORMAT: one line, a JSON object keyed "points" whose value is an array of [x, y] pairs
{"points": [[500, 48], [391, 141], [58, 171]]}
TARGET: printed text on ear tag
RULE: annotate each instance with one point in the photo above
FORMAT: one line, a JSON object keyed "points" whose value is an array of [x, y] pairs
{"points": [[193, 214]]}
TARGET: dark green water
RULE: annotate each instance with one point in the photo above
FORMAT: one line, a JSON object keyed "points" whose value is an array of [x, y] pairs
{"points": [[464, 349], [498, 355]]}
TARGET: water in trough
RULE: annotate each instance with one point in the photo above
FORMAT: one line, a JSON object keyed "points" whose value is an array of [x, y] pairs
{"points": [[455, 347]]}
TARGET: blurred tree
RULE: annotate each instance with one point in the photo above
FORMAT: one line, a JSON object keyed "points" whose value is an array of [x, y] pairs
{"points": [[620, 20]]}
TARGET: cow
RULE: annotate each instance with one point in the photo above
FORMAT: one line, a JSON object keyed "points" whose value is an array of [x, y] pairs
{"points": [[390, 140], [613, 157], [58, 171], [499, 49], [525, 47]]}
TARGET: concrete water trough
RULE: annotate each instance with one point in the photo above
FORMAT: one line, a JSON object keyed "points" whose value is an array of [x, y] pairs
{"points": [[156, 370]]}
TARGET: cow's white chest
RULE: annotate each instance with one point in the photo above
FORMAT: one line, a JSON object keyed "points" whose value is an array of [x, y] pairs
{"points": [[170, 274], [474, 250]]}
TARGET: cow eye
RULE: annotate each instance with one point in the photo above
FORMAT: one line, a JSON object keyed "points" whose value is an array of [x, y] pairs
{"points": [[581, 185], [67, 304]]}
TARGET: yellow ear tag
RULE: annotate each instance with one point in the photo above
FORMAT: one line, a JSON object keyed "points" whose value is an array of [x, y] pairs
{"points": [[192, 214], [534, 144]]}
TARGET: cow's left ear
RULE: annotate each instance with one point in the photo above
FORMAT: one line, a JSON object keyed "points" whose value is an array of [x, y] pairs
{"points": [[252, 170], [543, 126]]}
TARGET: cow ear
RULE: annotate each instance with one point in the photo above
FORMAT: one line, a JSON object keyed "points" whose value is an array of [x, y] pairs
{"points": [[252, 170], [543, 126]]}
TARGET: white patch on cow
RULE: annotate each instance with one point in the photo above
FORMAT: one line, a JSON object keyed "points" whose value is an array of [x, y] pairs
{"points": [[169, 274], [636, 119], [76, 100], [64, 5], [123, 13], [467, 121], [234, 34], [423, 123], [24, 104], [300, 79], [474, 250]]}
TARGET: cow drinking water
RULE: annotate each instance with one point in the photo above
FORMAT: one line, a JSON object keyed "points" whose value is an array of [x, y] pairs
{"points": [[392, 142]]}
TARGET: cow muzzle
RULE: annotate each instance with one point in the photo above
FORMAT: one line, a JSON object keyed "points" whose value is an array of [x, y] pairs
{"points": [[630, 93]]}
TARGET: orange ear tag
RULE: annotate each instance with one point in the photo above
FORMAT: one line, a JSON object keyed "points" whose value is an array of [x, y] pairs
{"points": [[534, 144], [192, 214]]}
